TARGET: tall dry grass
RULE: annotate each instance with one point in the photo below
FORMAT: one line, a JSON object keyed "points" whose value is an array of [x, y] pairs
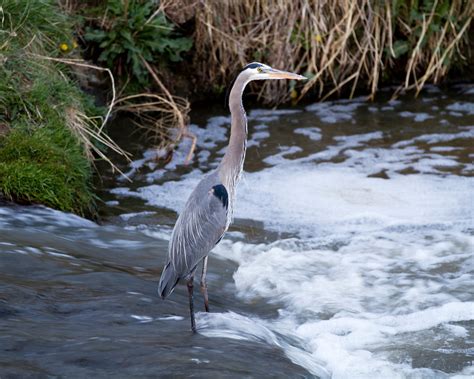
{"points": [[340, 44]]}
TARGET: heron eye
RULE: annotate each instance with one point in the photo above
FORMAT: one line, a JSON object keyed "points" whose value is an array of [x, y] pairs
{"points": [[259, 69]]}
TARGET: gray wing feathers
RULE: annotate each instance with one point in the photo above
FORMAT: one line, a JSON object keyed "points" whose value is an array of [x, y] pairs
{"points": [[168, 281], [198, 228]]}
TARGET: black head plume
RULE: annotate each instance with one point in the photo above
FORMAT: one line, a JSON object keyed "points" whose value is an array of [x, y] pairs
{"points": [[252, 65]]}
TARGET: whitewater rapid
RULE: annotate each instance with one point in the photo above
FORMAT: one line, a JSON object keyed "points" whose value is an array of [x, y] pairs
{"points": [[371, 209]]}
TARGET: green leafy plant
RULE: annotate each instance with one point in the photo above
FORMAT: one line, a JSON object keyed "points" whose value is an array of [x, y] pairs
{"points": [[133, 31]]}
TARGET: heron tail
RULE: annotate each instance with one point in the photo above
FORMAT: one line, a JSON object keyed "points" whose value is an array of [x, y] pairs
{"points": [[169, 279]]}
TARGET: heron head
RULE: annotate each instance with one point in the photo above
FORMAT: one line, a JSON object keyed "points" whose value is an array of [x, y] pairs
{"points": [[260, 71]]}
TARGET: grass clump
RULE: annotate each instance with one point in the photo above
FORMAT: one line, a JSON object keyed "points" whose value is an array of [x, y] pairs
{"points": [[42, 158], [45, 166]]}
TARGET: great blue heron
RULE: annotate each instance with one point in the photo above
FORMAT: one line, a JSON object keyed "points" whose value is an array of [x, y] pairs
{"points": [[208, 211]]}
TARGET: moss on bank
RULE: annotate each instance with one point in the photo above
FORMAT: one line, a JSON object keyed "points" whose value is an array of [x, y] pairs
{"points": [[41, 158], [41, 161]]}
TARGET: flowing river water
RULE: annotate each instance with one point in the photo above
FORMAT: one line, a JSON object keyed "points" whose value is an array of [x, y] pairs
{"points": [[350, 256]]}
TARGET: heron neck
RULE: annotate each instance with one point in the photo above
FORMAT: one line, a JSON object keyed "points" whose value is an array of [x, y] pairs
{"points": [[232, 163]]}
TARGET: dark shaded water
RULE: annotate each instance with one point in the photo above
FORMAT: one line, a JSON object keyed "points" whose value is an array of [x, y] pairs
{"points": [[351, 255], [79, 300]]}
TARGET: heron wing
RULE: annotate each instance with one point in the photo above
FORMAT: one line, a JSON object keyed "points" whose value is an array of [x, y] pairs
{"points": [[199, 227]]}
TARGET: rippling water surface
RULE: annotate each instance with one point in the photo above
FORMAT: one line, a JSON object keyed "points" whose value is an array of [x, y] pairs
{"points": [[351, 254]]}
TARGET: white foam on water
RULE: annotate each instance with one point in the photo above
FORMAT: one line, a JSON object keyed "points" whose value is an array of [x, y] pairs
{"points": [[468, 89], [343, 143], [281, 156], [40, 215], [34, 250], [373, 258], [467, 372], [171, 318], [335, 296], [234, 326], [224, 324], [343, 341], [171, 194], [268, 115], [6, 244], [340, 274], [297, 197], [463, 107], [313, 133], [443, 148], [293, 195], [216, 130], [456, 330], [128, 216], [142, 319], [437, 138], [400, 156], [207, 138], [60, 255], [116, 243], [158, 232], [150, 156], [199, 361], [417, 117], [332, 112], [257, 137]]}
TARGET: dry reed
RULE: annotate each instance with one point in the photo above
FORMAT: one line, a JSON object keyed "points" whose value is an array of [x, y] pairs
{"points": [[90, 130], [338, 44]]}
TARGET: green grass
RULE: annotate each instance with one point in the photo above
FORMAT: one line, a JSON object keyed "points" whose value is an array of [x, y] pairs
{"points": [[35, 167], [41, 161], [39, 23], [41, 158]]}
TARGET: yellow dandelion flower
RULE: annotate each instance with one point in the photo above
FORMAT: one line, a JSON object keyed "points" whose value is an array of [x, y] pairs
{"points": [[318, 38], [64, 47]]}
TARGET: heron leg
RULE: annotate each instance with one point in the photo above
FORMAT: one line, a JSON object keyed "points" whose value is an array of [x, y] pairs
{"points": [[190, 285], [204, 283]]}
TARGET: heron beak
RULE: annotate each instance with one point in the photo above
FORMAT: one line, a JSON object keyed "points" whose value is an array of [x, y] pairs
{"points": [[277, 74]]}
